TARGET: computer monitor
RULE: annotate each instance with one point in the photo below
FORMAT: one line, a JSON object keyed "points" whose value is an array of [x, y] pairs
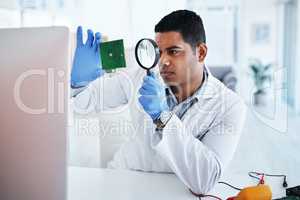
{"points": [[34, 93]]}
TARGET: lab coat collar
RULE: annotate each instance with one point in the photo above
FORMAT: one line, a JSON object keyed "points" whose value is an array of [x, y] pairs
{"points": [[208, 89]]}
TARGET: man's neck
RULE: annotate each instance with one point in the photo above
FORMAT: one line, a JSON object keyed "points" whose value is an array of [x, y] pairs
{"points": [[188, 89]]}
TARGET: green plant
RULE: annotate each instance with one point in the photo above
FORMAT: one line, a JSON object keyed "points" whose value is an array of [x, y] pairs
{"points": [[261, 74]]}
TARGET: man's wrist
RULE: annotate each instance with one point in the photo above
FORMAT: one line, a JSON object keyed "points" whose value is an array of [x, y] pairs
{"points": [[163, 119], [75, 92]]}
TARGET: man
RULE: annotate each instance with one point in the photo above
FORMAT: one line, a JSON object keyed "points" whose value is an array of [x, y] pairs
{"points": [[189, 125]]}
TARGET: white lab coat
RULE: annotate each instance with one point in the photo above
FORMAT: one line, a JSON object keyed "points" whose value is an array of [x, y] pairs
{"points": [[217, 119]]}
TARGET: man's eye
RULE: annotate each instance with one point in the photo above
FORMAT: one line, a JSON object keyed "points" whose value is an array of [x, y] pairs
{"points": [[174, 52]]}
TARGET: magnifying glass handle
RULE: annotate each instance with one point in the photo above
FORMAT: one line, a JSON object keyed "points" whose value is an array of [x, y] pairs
{"points": [[148, 72]]}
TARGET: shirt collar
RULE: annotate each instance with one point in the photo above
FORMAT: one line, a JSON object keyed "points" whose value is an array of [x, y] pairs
{"points": [[206, 91]]}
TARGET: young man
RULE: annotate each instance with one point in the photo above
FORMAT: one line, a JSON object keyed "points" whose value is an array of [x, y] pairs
{"points": [[189, 124]]}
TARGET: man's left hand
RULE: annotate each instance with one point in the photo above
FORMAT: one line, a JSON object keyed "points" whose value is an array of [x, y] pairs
{"points": [[153, 96]]}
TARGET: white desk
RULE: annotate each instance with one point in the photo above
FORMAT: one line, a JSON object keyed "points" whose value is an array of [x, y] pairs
{"points": [[106, 184]]}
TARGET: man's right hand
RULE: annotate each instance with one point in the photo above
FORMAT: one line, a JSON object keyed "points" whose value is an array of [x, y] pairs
{"points": [[86, 63]]}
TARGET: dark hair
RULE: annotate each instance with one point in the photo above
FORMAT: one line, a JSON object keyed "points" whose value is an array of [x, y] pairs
{"points": [[186, 22]]}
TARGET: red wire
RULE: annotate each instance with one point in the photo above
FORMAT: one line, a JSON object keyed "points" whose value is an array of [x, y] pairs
{"points": [[262, 179]]}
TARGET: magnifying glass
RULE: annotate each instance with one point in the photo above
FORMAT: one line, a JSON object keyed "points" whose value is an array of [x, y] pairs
{"points": [[147, 54]]}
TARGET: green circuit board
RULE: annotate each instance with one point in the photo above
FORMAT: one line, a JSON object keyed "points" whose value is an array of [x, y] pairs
{"points": [[112, 54]]}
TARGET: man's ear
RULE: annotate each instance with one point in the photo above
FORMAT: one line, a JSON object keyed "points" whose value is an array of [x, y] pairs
{"points": [[201, 51]]}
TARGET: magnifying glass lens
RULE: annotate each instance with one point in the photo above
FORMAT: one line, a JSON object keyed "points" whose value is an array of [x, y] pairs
{"points": [[146, 54]]}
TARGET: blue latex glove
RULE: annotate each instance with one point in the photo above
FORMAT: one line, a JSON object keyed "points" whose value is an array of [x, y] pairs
{"points": [[86, 63], [153, 96]]}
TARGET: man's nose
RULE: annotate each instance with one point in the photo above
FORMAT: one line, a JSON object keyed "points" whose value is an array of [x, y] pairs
{"points": [[164, 61]]}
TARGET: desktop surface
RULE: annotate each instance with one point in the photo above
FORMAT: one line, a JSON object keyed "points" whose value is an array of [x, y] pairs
{"points": [[98, 183]]}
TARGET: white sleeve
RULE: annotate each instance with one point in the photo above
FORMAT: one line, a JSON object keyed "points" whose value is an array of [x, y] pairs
{"points": [[199, 164], [108, 91]]}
